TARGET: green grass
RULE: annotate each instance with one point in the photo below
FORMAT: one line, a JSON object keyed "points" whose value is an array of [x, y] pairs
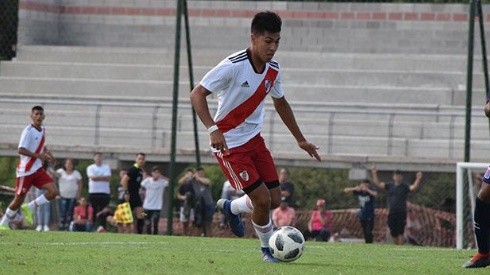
{"points": [[31, 252]]}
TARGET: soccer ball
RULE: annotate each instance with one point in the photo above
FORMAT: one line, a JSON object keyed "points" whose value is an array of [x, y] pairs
{"points": [[287, 244]]}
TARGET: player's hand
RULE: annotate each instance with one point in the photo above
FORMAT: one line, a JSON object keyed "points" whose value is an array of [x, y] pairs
{"points": [[374, 170], [311, 149], [218, 142], [418, 175], [487, 108]]}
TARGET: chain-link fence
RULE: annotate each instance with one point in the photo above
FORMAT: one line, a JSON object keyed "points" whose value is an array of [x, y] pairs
{"points": [[8, 28]]}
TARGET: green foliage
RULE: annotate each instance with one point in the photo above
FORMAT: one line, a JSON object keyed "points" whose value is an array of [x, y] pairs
{"points": [[31, 252], [7, 170]]}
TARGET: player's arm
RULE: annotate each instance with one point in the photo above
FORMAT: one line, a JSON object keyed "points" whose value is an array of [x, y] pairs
{"points": [[351, 189], [26, 152], [200, 105], [203, 180], [416, 183], [48, 152], [371, 192], [376, 180], [80, 187], [286, 113]]}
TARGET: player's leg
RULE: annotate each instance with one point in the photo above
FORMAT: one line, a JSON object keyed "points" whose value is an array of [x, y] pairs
{"points": [[156, 221], [482, 226], [392, 225], [140, 222], [369, 230], [261, 220], [12, 210]]}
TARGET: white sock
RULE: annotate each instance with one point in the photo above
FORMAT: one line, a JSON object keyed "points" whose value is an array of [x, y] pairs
{"points": [[9, 214], [38, 201], [241, 205], [264, 232]]}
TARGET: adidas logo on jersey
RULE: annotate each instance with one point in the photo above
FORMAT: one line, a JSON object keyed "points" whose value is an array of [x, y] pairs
{"points": [[245, 84]]}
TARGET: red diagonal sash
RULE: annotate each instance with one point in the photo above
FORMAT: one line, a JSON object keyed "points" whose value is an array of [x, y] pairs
{"points": [[246, 108], [38, 151]]}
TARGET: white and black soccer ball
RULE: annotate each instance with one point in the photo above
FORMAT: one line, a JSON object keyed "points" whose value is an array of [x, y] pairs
{"points": [[287, 244]]}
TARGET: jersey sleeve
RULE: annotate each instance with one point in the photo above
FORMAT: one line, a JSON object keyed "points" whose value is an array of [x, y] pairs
{"points": [[277, 90], [219, 78], [25, 139]]}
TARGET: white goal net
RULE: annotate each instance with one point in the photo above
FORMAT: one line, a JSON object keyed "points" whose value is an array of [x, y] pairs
{"points": [[468, 181]]}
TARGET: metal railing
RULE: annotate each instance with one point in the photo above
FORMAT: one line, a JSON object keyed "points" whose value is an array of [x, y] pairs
{"points": [[331, 126]]}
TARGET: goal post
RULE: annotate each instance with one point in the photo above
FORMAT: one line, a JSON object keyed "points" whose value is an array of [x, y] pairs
{"points": [[465, 200]]}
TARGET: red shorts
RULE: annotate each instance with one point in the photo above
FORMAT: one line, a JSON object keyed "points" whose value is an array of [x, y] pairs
{"points": [[247, 164], [38, 179]]}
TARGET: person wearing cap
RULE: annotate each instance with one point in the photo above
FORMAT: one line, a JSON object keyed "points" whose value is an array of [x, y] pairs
{"points": [[320, 223], [284, 214], [397, 191]]}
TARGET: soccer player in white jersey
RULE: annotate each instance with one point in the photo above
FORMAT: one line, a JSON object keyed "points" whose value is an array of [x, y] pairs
{"points": [[30, 172], [481, 217], [241, 82]]}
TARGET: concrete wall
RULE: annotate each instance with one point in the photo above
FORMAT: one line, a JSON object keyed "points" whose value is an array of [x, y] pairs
{"points": [[323, 27]]}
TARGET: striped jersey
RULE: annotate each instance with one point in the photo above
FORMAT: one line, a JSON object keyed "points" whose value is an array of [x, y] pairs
{"points": [[241, 91], [33, 140]]}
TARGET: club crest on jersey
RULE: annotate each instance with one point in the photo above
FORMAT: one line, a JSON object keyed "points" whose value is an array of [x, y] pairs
{"points": [[244, 175], [268, 85]]}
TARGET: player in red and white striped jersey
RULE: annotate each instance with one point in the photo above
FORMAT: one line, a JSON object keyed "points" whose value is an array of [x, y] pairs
{"points": [[30, 172], [241, 82]]}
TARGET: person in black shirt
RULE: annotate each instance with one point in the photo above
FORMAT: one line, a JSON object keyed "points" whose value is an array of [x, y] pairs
{"points": [[287, 187], [132, 183], [366, 194], [397, 201]]}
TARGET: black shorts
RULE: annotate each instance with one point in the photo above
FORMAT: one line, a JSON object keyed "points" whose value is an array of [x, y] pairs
{"points": [[396, 223]]}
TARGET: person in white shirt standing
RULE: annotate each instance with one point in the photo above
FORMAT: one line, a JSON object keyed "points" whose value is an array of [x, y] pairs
{"points": [[153, 202], [99, 187], [30, 171], [70, 185], [241, 82]]}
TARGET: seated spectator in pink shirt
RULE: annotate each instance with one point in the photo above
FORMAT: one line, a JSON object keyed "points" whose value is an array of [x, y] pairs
{"points": [[82, 216], [320, 224], [283, 215]]}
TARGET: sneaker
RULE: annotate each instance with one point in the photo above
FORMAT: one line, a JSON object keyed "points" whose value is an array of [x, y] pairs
{"points": [[479, 260], [4, 227], [39, 228], [234, 221], [27, 214], [267, 256], [45, 228]]}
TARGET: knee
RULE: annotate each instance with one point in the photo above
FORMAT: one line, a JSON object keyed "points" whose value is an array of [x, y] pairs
{"points": [[262, 204], [51, 194]]}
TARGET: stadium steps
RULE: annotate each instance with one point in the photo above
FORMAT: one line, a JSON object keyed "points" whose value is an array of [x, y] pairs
{"points": [[312, 76], [295, 92], [368, 97]]}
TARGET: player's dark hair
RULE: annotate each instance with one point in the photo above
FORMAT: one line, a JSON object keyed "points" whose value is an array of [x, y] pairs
{"points": [[141, 154], [266, 21], [37, 108], [155, 169]]}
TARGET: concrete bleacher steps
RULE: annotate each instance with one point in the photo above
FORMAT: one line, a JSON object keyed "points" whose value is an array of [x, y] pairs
{"points": [[370, 78], [402, 105]]}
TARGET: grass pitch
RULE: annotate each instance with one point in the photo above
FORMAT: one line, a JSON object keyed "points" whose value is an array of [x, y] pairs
{"points": [[31, 252]]}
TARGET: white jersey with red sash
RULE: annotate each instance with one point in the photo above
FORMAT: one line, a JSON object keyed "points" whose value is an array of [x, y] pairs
{"points": [[241, 92], [33, 140]]}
